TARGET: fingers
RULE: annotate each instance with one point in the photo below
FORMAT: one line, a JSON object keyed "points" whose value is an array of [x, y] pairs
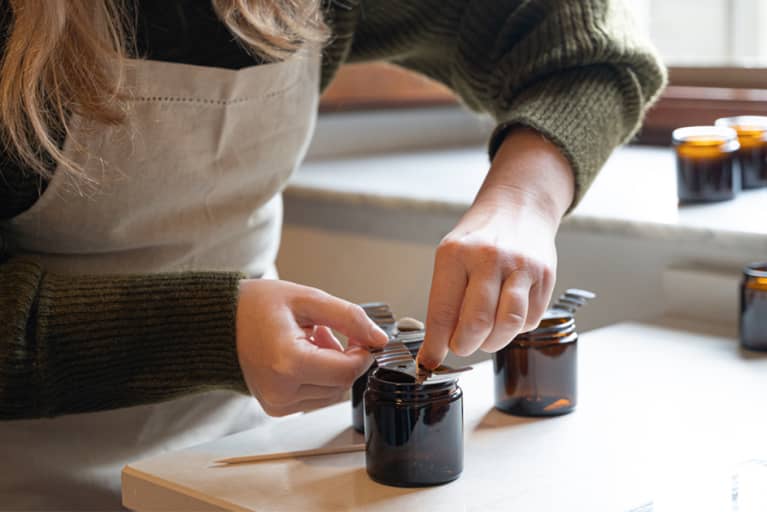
{"points": [[329, 367], [511, 317], [478, 312], [538, 301], [318, 308], [323, 337], [445, 299]]}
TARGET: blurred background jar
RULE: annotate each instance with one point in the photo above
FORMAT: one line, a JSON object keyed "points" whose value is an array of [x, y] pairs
{"points": [[752, 155], [706, 163], [753, 307]]}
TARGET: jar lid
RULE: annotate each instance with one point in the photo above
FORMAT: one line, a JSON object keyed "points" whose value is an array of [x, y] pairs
{"points": [[756, 270], [751, 130], [705, 141]]}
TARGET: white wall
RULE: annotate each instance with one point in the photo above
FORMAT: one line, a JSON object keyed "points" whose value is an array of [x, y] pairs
{"points": [[367, 254]]}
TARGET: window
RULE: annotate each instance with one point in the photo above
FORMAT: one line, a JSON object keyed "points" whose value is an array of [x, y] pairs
{"points": [[704, 33]]}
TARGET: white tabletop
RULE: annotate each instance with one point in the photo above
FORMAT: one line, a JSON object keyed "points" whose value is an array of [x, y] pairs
{"points": [[666, 417]]}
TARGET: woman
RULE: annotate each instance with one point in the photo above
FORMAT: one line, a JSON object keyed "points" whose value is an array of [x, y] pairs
{"points": [[145, 147]]}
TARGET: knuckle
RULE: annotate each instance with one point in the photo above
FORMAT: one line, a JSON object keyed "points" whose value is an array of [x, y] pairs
{"points": [[449, 247], [513, 318], [479, 322], [488, 254]]}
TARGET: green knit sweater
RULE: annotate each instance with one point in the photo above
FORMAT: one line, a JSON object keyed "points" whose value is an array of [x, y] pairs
{"points": [[576, 70]]}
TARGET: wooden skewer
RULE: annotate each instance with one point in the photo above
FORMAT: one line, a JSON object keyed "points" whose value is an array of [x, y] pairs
{"points": [[330, 450]]}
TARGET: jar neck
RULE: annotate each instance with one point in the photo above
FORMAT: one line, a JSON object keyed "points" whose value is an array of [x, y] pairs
{"points": [[396, 386], [548, 335]]}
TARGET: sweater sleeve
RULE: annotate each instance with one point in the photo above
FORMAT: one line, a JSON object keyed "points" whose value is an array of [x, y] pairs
{"points": [[81, 344], [577, 71]]}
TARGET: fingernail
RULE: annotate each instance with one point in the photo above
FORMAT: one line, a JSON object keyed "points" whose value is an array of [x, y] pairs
{"points": [[425, 362], [378, 334]]}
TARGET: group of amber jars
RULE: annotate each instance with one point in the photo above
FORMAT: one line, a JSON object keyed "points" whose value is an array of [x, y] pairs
{"points": [[715, 162]]}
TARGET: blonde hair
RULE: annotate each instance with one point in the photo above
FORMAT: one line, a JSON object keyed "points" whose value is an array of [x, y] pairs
{"points": [[67, 57]]}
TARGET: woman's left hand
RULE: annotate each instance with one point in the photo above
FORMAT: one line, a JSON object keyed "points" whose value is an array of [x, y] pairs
{"points": [[494, 272]]}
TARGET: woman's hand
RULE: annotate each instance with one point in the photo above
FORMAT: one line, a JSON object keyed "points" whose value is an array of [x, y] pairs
{"points": [[289, 357], [494, 272]]}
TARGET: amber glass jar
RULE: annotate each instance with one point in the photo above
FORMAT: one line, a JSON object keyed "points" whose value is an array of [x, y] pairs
{"points": [[413, 340], [413, 432], [705, 163], [752, 155], [753, 307], [536, 374]]}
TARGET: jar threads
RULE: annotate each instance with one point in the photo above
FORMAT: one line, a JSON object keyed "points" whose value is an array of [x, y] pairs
{"points": [[753, 307], [413, 432], [705, 157], [752, 155]]}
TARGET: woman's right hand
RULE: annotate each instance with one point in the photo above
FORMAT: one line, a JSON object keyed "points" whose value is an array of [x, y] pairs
{"points": [[289, 357]]}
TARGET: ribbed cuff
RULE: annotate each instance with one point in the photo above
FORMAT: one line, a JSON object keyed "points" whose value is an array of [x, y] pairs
{"points": [[109, 342], [586, 112], [19, 396]]}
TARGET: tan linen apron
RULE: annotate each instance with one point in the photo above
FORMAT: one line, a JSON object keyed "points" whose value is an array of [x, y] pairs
{"points": [[191, 181]]}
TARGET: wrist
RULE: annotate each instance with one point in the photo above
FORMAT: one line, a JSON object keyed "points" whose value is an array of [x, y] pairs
{"points": [[529, 174]]}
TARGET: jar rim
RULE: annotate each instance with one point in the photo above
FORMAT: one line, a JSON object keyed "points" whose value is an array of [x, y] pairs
{"points": [[687, 133], [755, 122], [409, 392], [758, 269]]}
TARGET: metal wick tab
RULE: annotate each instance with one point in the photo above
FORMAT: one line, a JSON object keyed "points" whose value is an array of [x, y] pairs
{"points": [[573, 299], [395, 356]]}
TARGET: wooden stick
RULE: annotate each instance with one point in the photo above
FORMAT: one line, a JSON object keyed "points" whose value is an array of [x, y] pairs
{"points": [[329, 450]]}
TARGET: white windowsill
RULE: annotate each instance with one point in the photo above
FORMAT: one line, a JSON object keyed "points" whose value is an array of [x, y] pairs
{"points": [[635, 194]]}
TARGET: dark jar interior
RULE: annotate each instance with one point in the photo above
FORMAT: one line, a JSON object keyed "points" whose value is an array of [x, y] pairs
{"points": [[413, 341], [753, 307], [536, 374], [706, 164], [413, 432]]}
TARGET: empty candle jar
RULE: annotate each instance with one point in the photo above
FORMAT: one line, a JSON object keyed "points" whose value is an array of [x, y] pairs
{"points": [[536, 374], [413, 432], [753, 307], [752, 155], [413, 341], [705, 163]]}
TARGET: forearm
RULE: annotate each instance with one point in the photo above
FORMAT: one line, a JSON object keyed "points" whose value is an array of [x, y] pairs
{"points": [[79, 344], [528, 171]]}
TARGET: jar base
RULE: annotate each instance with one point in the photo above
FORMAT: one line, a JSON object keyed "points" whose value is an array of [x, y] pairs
{"points": [[692, 201], [541, 406], [754, 348], [399, 483]]}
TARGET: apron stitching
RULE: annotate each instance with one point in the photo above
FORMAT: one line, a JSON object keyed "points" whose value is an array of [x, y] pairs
{"points": [[208, 101]]}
